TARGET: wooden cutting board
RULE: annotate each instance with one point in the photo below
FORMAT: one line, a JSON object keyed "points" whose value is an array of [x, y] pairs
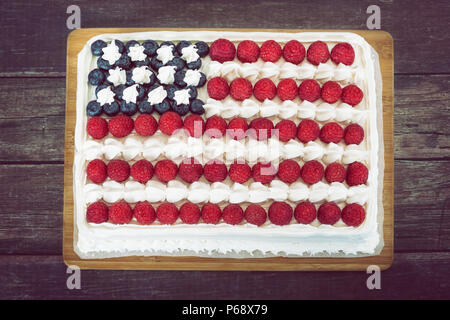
{"points": [[381, 41]]}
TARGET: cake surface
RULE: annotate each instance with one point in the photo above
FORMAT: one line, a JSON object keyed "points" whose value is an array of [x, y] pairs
{"points": [[123, 236]]}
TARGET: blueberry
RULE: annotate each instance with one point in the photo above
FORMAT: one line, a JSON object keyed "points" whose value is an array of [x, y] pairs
{"points": [[194, 65], [101, 87], [164, 106], [128, 108], [130, 80], [93, 109], [181, 45], [197, 106], [111, 109], [168, 43], [141, 63], [177, 62], [156, 64], [120, 45], [97, 46], [179, 78], [103, 64], [119, 91], [141, 92], [202, 80], [145, 107], [192, 92], [202, 49], [171, 91], [124, 62], [150, 47], [96, 77], [152, 80], [181, 109], [131, 43]]}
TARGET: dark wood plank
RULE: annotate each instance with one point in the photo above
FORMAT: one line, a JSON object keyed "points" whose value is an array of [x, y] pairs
{"points": [[31, 207], [419, 47], [32, 119], [44, 277]]}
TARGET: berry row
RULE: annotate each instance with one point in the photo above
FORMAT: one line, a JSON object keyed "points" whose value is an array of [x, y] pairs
{"points": [[279, 213], [287, 89], [216, 127], [293, 51], [190, 170]]}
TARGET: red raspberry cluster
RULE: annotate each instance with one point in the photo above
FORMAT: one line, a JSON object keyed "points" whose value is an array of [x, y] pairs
{"points": [[287, 89], [190, 170], [279, 213], [248, 51]]}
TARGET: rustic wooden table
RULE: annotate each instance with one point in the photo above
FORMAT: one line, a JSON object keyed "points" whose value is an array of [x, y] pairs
{"points": [[32, 91]]}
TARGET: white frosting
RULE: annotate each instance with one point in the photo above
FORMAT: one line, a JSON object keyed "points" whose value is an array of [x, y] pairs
{"points": [[137, 53], [130, 94], [182, 96], [189, 53], [165, 54], [222, 239], [157, 95], [192, 77], [111, 53], [166, 74], [141, 75], [117, 76], [105, 96]]}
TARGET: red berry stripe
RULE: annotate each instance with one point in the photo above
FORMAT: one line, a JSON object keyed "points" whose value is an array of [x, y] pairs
{"points": [[279, 213], [190, 170]]}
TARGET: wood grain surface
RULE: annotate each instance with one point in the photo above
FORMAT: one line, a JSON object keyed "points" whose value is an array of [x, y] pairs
{"points": [[32, 83]]}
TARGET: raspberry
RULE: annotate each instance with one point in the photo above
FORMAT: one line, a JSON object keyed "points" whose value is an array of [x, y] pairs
{"points": [[335, 172], [167, 213], [247, 51], [318, 53], [353, 214], [309, 90], [222, 50], [120, 213], [120, 126], [240, 172], [169, 122], [343, 53], [144, 213], [357, 173], [190, 170], [305, 212], [118, 170], [312, 172], [255, 214], [216, 127], [145, 125], [294, 52], [287, 89], [308, 130], [215, 171], [352, 95], [287, 130], [289, 171], [195, 125], [241, 89], [329, 213], [264, 89], [331, 92], [261, 128], [142, 171], [97, 127], [270, 51], [211, 213], [166, 170], [353, 134], [263, 172], [233, 214], [96, 171], [280, 213], [331, 132], [189, 213], [237, 128], [97, 212], [218, 88]]}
